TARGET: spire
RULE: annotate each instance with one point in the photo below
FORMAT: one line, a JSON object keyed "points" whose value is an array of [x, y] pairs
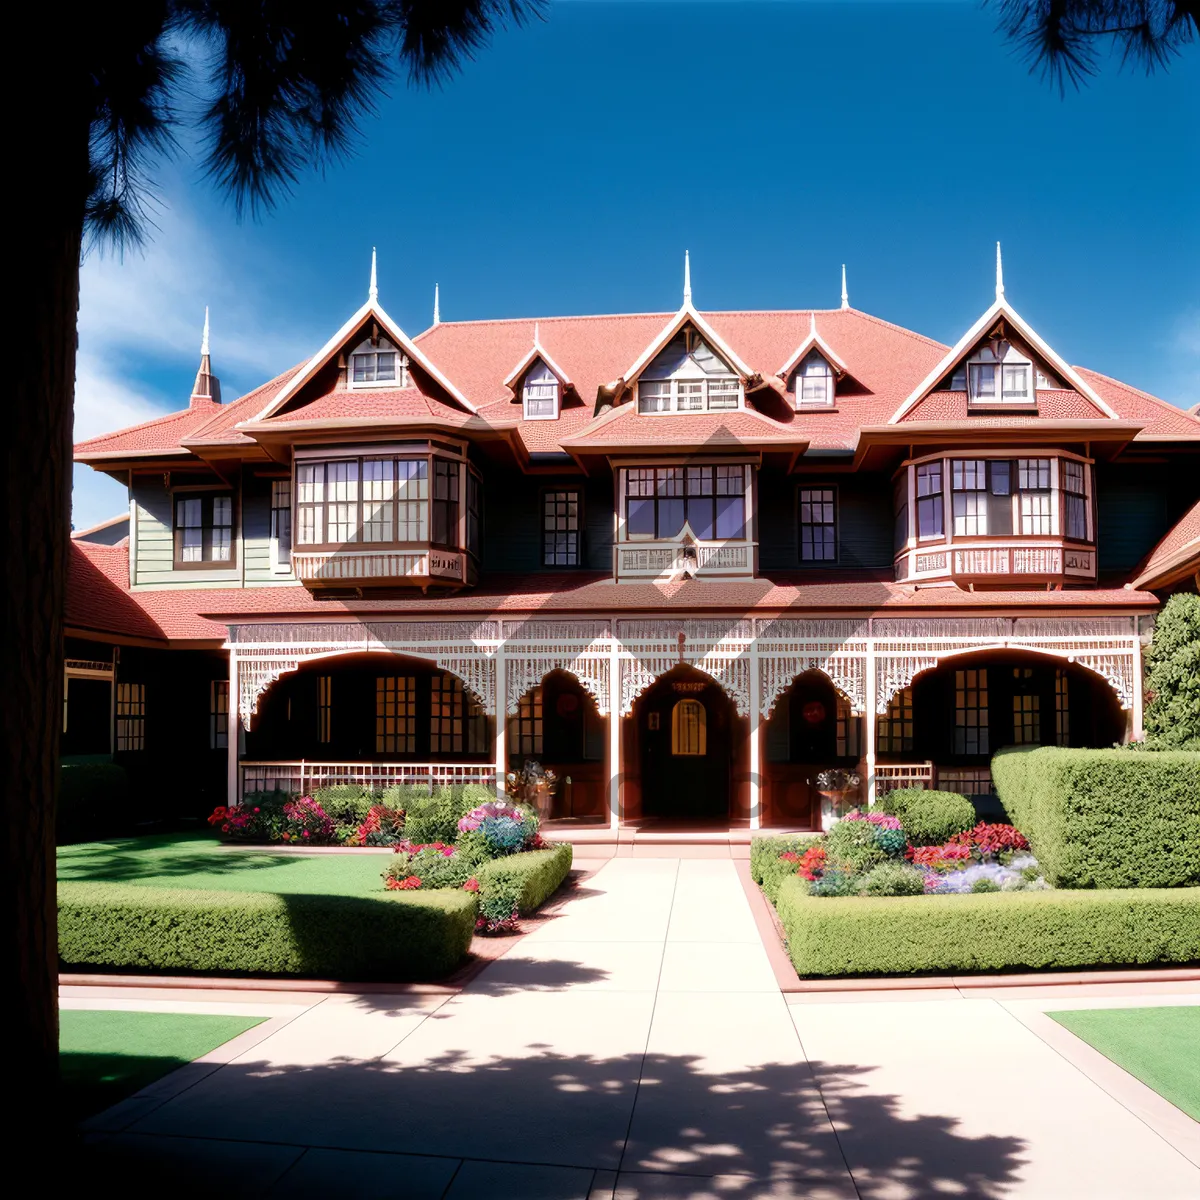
{"points": [[437, 314], [687, 280], [536, 340], [999, 274], [373, 290], [845, 294], [812, 324], [207, 388]]}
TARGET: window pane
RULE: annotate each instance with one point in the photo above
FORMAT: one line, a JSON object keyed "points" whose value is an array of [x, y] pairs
{"points": [[362, 368], [385, 365], [379, 489], [1072, 475], [654, 396], [731, 517], [930, 517], [970, 513], [1016, 381], [560, 529], [817, 528], [1076, 517], [1035, 512], [722, 394], [1002, 478], [929, 479], [983, 381]]}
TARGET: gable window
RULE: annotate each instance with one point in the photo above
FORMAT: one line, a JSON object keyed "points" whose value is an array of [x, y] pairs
{"points": [[1033, 479], [204, 527], [1075, 499], [378, 362], [999, 376], [711, 499], [540, 394], [218, 714], [818, 524], [131, 716], [281, 526], [814, 382], [931, 520], [687, 376], [561, 512]]}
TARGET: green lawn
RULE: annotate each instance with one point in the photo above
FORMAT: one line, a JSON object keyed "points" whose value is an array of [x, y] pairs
{"points": [[198, 860], [105, 1056], [1159, 1046]]}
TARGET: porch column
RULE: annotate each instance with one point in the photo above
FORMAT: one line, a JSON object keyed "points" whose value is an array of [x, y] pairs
{"points": [[869, 722], [233, 731], [755, 739], [614, 732], [1138, 731], [501, 742]]}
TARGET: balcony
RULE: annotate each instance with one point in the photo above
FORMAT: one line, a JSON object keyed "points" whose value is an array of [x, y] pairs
{"points": [[353, 566], [685, 558], [1010, 560]]}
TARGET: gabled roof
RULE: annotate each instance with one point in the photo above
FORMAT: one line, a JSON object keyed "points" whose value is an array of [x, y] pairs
{"points": [[1000, 309], [533, 354], [1176, 556], [339, 341], [687, 315], [814, 341]]}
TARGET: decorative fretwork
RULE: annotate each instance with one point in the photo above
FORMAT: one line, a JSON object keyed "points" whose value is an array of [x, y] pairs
{"points": [[525, 671], [777, 672]]}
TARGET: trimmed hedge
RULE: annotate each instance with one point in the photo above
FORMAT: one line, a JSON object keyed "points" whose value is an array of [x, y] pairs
{"points": [[930, 817], [1106, 818], [539, 874], [765, 868], [93, 797], [392, 936], [830, 936]]}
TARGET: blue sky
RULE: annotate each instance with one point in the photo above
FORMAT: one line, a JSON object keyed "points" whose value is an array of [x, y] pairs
{"points": [[568, 168]]}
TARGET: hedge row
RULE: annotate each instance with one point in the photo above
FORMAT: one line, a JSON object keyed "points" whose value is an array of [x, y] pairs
{"points": [[1106, 818], [830, 936], [539, 873], [766, 869], [93, 800], [409, 935]]}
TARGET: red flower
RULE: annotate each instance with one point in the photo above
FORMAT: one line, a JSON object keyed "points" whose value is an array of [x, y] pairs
{"points": [[812, 863], [413, 881], [472, 885]]}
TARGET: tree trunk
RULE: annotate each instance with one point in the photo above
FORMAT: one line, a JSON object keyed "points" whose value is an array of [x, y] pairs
{"points": [[44, 294]]}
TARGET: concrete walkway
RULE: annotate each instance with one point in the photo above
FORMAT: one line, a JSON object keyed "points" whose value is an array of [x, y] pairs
{"points": [[638, 1046]]}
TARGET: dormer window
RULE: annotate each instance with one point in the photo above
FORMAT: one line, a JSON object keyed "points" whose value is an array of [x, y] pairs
{"points": [[377, 363], [998, 375], [814, 383], [541, 394], [687, 376]]}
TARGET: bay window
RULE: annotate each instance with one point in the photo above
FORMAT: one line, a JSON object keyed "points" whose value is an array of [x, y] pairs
{"points": [[203, 528], [1033, 479], [1074, 500], [445, 502], [968, 484], [711, 499], [930, 501]]}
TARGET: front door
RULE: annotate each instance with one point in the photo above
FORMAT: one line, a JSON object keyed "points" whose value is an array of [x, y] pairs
{"points": [[684, 729]]}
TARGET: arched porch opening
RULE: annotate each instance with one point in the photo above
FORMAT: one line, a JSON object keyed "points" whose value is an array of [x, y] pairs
{"points": [[684, 745], [956, 715], [369, 708], [557, 724], [812, 728]]}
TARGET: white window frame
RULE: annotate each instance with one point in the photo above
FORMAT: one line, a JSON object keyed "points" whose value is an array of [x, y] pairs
{"points": [[400, 377], [537, 391], [815, 369], [677, 393], [999, 361], [281, 526]]}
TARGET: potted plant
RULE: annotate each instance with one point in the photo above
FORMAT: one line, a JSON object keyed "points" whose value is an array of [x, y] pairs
{"points": [[534, 786], [835, 785]]}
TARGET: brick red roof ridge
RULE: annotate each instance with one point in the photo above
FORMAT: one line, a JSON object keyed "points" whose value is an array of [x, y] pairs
{"points": [[1173, 549], [253, 394], [116, 433]]}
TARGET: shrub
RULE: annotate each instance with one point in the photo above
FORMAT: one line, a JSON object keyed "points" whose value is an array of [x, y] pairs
{"points": [[894, 879], [929, 817], [382, 826], [408, 935], [1106, 818], [93, 800], [540, 873], [765, 866], [347, 805], [306, 821], [853, 844], [834, 881], [1173, 677], [506, 828], [908, 935], [435, 865], [434, 817]]}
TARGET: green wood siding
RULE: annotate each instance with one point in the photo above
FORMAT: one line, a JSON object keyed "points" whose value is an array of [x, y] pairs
{"points": [[1132, 507], [155, 545]]}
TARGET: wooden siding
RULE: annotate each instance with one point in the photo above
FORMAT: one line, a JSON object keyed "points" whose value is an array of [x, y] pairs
{"points": [[1133, 507], [155, 544]]}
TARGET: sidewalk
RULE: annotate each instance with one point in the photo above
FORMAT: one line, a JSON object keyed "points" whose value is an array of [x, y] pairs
{"points": [[639, 1046]]}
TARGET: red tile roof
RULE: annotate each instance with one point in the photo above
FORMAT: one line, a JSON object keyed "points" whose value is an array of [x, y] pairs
{"points": [[624, 426], [1176, 556], [399, 404], [98, 596], [1159, 417], [1062, 405]]}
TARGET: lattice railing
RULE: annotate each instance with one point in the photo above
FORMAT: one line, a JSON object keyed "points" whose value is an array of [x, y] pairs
{"points": [[301, 777]]}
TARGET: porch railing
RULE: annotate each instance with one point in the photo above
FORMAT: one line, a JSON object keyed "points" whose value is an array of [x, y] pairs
{"points": [[969, 781], [302, 776], [890, 776]]}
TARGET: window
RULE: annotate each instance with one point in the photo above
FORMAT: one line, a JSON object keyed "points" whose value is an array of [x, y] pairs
{"points": [[983, 382], [373, 500], [999, 376], [818, 525], [930, 502], [445, 502], [895, 732], [218, 714], [204, 527], [969, 494], [1075, 499], [1015, 379], [687, 376], [540, 394], [561, 523], [814, 382], [131, 716], [847, 729], [378, 362], [447, 715], [395, 714], [689, 729], [971, 712], [324, 708], [474, 513], [1033, 478], [712, 499], [1027, 706], [1062, 714], [525, 730], [281, 525]]}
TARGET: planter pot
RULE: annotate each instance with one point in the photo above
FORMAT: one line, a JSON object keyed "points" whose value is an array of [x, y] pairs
{"points": [[834, 806]]}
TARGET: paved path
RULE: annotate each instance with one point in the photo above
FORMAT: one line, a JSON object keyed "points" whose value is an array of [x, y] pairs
{"points": [[638, 1046]]}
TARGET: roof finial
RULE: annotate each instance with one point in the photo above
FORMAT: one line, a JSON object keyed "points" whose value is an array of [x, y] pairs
{"points": [[687, 280], [999, 274], [437, 314], [812, 324], [204, 335], [207, 388], [373, 290], [845, 294], [536, 340]]}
